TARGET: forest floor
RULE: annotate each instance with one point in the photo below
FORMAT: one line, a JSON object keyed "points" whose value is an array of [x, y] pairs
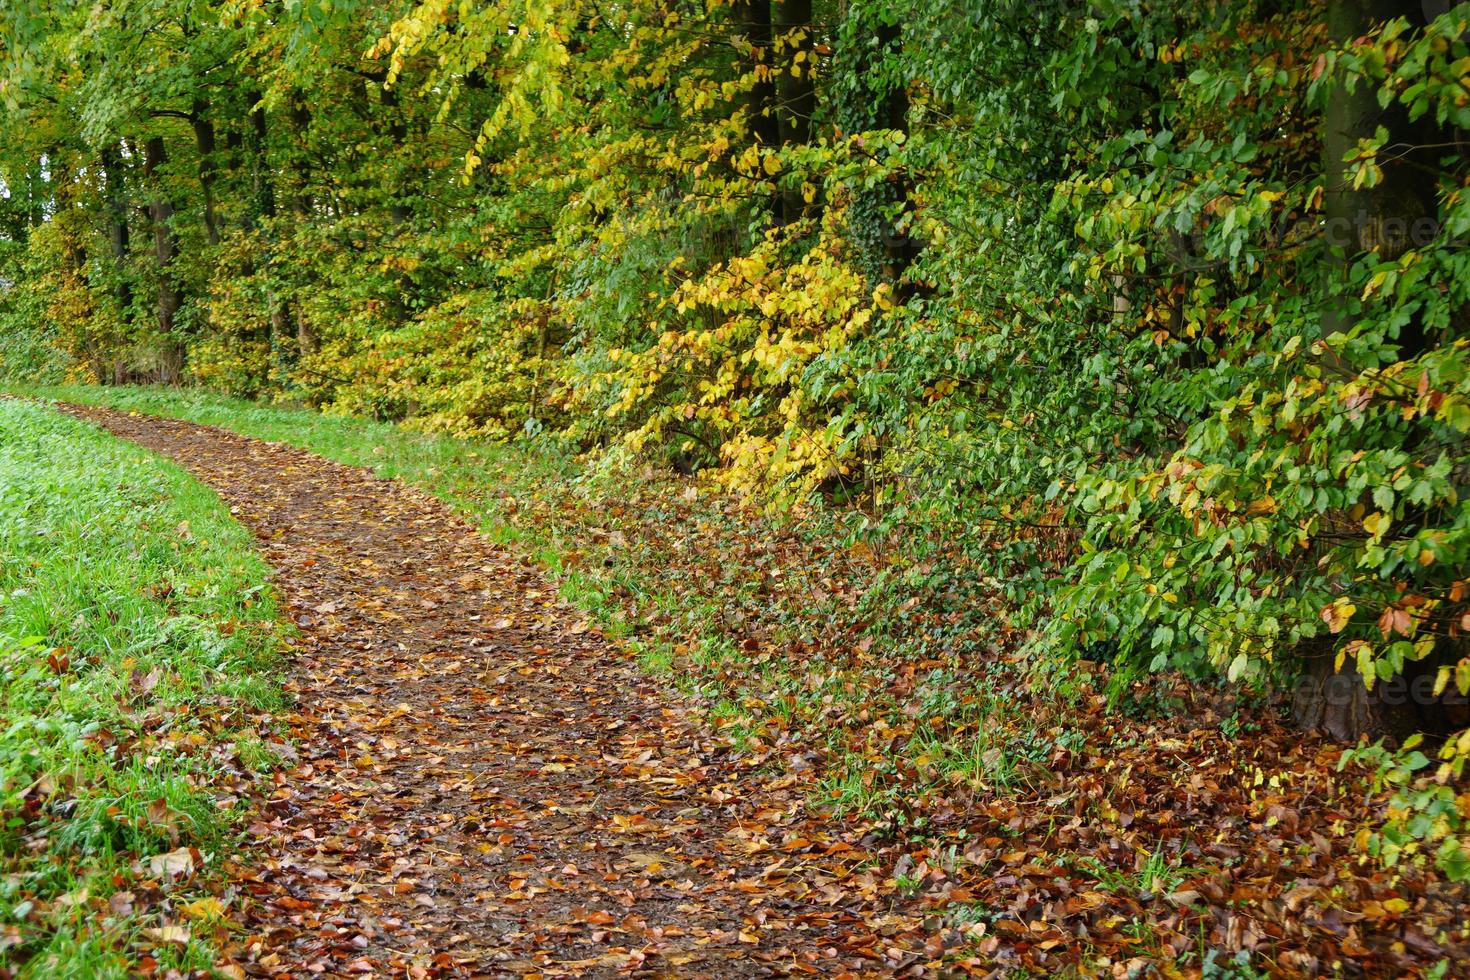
{"points": [[669, 738]]}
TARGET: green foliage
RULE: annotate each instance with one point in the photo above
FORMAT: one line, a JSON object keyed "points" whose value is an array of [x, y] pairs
{"points": [[1425, 815], [137, 639], [1086, 307], [1308, 475]]}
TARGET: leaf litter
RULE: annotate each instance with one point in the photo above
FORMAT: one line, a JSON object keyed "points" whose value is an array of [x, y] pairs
{"points": [[484, 785]]}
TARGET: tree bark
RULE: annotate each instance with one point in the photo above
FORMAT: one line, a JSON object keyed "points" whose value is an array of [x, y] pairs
{"points": [[300, 159], [399, 210], [1363, 219], [753, 19], [796, 92], [1335, 702], [1359, 220], [265, 205], [873, 101], [118, 236], [260, 173], [205, 143], [165, 248], [306, 342]]}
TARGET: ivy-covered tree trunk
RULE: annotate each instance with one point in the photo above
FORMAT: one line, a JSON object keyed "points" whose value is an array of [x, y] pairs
{"points": [[796, 91], [165, 249], [265, 202], [302, 204], [204, 141], [400, 202], [260, 171], [118, 236], [872, 95], [399, 208]]}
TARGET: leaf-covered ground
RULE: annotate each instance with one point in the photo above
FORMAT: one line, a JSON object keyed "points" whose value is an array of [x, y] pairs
{"points": [[489, 783], [484, 784]]}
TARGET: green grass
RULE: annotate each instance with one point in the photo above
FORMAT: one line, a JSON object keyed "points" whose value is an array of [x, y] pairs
{"points": [[497, 486], [1155, 874], [512, 493], [480, 477], [138, 648]]}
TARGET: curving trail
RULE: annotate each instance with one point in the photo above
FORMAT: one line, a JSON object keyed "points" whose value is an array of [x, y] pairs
{"points": [[485, 786]]}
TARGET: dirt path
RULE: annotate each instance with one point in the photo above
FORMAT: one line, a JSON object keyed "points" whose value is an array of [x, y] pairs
{"points": [[485, 786]]}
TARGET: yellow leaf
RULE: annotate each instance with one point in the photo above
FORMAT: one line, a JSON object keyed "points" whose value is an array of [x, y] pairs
{"points": [[1336, 615], [204, 908]]}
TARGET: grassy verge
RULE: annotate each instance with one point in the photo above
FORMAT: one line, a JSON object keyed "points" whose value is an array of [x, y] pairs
{"points": [[137, 653], [481, 478]]}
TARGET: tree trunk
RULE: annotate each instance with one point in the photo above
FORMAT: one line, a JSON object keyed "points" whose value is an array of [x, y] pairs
{"points": [[796, 92], [1358, 220], [302, 206], [204, 141], [301, 159], [1335, 702], [873, 101], [265, 205], [398, 208], [260, 173], [1362, 219], [165, 248], [117, 226], [38, 195], [753, 19], [234, 144]]}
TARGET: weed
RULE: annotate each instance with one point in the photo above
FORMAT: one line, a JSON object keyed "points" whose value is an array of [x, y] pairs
{"points": [[1221, 966], [1156, 875], [972, 913]]}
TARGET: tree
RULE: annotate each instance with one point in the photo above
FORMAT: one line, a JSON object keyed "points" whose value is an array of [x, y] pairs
{"points": [[1140, 328]]}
